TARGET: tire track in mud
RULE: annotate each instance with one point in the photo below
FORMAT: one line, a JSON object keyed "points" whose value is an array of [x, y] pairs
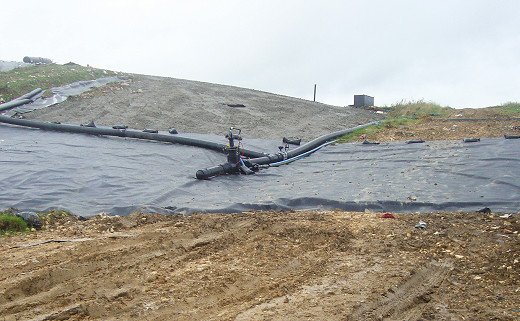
{"points": [[51, 284], [265, 265], [222, 267], [408, 300]]}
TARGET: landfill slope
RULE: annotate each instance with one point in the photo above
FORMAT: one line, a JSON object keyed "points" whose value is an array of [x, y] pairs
{"points": [[197, 107]]}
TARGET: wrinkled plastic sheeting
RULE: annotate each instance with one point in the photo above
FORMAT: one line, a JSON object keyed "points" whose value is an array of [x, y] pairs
{"points": [[60, 94], [89, 174], [6, 66]]}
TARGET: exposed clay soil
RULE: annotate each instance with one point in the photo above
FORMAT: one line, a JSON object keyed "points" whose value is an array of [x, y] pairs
{"points": [[265, 266]]}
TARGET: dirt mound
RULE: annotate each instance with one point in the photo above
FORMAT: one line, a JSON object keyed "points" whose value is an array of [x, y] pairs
{"points": [[190, 106], [265, 265], [452, 129]]}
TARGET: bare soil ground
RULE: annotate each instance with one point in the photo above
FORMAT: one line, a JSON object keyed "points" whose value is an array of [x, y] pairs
{"points": [[197, 107], [459, 124], [265, 266]]}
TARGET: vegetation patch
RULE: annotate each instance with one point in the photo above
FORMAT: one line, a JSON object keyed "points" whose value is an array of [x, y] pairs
{"points": [[19, 81], [10, 224], [54, 217], [510, 108], [416, 109], [400, 114], [384, 125]]}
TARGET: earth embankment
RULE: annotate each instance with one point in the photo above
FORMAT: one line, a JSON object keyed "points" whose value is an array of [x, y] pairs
{"points": [[189, 106]]}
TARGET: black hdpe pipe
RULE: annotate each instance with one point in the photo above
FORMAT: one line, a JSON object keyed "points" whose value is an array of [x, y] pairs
{"points": [[274, 158], [264, 160], [123, 133], [22, 100]]}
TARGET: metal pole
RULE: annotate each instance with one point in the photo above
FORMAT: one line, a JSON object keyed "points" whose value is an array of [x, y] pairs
{"points": [[314, 92]]}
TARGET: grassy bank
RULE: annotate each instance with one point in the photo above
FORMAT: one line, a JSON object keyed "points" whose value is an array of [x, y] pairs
{"points": [[12, 224], [510, 109], [416, 109], [19, 81], [400, 114], [381, 126], [411, 113]]}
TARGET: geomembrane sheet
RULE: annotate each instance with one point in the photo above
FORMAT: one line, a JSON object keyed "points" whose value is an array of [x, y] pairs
{"points": [[60, 94], [41, 170]]}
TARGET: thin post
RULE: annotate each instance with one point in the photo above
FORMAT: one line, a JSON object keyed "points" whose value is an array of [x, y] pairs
{"points": [[314, 92]]}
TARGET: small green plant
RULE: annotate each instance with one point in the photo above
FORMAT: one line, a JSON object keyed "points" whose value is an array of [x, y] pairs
{"points": [[10, 224], [53, 216], [393, 123], [370, 130], [354, 136]]}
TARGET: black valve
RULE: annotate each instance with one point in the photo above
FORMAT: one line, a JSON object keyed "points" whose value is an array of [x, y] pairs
{"points": [[234, 164]]}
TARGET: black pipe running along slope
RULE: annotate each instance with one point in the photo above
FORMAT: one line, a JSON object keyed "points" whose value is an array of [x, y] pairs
{"points": [[22, 100], [123, 133], [274, 158], [253, 158]]}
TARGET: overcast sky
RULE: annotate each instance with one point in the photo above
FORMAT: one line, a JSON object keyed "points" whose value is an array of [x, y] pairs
{"points": [[458, 53]]}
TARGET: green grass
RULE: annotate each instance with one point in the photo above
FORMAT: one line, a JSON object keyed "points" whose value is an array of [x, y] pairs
{"points": [[370, 130], [19, 81], [510, 108], [52, 216], [10, 224], [415, 109], [400, 114], [354, 136]]}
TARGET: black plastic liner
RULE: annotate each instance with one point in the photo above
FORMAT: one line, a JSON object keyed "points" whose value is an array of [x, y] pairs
{"points": [[121, 131], [59, 94], [278, 158], [22, 100], [40, 170]]}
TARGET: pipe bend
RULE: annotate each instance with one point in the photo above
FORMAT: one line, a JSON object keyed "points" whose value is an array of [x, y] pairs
{"points": [[281, 158]]}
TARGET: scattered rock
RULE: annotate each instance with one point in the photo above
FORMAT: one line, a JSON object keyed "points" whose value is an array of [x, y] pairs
{"points": [[485, 210], [31, 218]]}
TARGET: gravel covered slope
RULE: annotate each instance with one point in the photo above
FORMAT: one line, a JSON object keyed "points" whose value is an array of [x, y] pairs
{"points": [[190, 106]]}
